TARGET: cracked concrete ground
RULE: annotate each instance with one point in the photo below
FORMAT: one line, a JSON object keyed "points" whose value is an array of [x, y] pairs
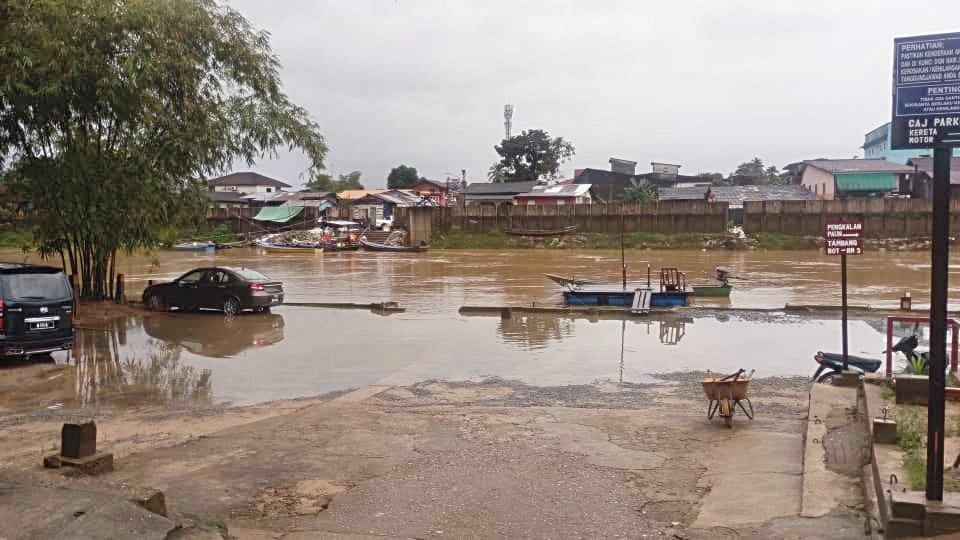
{"points": [[498, 459]]}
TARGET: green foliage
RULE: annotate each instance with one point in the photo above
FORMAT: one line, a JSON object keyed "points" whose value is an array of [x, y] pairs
{"points": [[16, 238], [112, 113], [325, 182], [495, 174], [639, 192], [402, 177], [916, 366], [911, 434], [761, 174], [715, 179], [886, 390], [784, 242], [532, 155]]}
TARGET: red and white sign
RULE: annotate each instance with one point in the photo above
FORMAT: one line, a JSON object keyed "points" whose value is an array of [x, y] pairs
{"points": [[844, 238]]}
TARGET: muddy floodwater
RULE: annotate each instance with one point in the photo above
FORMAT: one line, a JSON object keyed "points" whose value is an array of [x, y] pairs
{"points": [[301, 352]]}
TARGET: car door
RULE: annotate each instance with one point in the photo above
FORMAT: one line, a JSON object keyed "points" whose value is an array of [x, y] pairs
{"points": [[214, 288], [185, 294]]}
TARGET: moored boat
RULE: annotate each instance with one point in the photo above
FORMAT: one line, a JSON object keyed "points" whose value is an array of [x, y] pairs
{"points": [[563, 281], [373, 246], [208, 247], [542, 232], [672, 291], [310, 249]]}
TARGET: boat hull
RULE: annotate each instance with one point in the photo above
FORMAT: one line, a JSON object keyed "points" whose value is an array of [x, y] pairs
{"points": [[197, 249], [622, 298], [716, 291], [305, 250], [373, 246]]}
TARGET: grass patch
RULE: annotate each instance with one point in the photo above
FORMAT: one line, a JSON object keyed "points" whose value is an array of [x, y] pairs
{"points": [[19, 238], [886, 390], [500, 240], [911, 434], [172, 235], [784, 242]]}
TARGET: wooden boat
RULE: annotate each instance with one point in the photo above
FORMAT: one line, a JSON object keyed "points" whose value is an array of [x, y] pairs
{"points": [[542, 232], [289, 248], [716, 291], [614, 294], [672, 291], [563, 281], [373, 246], [207, 247]]}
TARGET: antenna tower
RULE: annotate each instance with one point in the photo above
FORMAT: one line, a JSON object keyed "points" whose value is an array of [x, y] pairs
{"points": [[507, 118]]}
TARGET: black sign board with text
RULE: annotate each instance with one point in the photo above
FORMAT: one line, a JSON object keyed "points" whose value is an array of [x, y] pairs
{"points": [[926, 91]]}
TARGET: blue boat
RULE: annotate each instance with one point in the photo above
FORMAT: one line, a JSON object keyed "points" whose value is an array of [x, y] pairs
{"points": [[613, 294], [206, 247], [672, 291]]}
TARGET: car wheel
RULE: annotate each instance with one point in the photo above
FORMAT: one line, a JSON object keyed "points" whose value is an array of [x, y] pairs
{"points": [[156, 303], [231, 306]]}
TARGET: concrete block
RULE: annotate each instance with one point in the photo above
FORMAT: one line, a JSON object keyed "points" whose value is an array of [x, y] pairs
{"points": [[78, 440], [908, 506], [847, 379], [884, 431], [941, 520], [903, 528], [912, 389], [92, 465]]}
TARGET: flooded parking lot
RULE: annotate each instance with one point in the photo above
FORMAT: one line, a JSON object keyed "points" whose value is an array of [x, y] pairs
{"points": [[301, 352]]}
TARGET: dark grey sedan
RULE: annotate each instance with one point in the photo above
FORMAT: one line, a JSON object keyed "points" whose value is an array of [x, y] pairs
{"points": [[227, 289]]}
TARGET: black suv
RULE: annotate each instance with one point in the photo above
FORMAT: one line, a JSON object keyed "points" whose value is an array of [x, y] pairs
{"points": [[36, 310]]}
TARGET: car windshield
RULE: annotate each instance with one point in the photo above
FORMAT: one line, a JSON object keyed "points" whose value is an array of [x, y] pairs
{"points": [[35, 286], [250, 275]]}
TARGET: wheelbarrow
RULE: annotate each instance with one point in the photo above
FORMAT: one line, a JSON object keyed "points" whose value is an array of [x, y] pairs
{"points": [[725, 394]]}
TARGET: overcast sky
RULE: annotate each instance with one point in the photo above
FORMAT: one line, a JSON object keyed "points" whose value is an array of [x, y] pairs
{"points": [[705, 84]]}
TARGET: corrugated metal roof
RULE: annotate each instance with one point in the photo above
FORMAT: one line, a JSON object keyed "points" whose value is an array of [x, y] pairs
{"points": [[736, 195], [246, 179], [858, 166], [557, 190]]}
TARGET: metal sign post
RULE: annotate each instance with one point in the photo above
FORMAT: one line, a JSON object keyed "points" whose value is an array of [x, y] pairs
{"points": [[926, 114], [844, 238]]}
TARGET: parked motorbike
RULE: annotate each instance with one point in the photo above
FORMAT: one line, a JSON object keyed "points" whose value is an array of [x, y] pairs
{"points": [[831, 364]]}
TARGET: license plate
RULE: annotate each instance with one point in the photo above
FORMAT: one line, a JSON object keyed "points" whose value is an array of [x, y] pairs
{"points": [[43, 325]]}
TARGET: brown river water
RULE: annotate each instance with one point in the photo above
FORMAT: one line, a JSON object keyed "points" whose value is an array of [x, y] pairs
{"points": [[301, 352]]}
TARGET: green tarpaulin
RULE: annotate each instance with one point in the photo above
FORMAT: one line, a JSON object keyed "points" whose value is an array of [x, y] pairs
{"points": [[866, 182], [278, 214]]}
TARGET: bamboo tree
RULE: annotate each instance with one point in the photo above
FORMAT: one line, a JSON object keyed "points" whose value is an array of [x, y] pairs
{"points": [[113, 112]]}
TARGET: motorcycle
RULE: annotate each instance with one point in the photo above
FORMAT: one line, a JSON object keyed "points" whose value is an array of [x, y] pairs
{"points": [[831, 364]]}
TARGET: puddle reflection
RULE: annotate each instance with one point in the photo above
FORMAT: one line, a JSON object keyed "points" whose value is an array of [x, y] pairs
{"points": [[108, 368], [216, 336]]}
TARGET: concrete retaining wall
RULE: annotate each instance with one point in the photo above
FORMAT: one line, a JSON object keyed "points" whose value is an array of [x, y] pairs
{"points": [[663, 217], [882, 218]]}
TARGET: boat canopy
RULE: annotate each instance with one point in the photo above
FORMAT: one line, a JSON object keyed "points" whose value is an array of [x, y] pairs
{"points": [[278, 214]]}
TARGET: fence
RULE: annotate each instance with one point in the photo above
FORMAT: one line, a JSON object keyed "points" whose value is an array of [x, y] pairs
{"points": [[882, 218], [662, 217]]}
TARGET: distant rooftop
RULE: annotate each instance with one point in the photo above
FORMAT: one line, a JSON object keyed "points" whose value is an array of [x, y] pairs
{"points": [[845, 166], [247, 179], [499, 188]]}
